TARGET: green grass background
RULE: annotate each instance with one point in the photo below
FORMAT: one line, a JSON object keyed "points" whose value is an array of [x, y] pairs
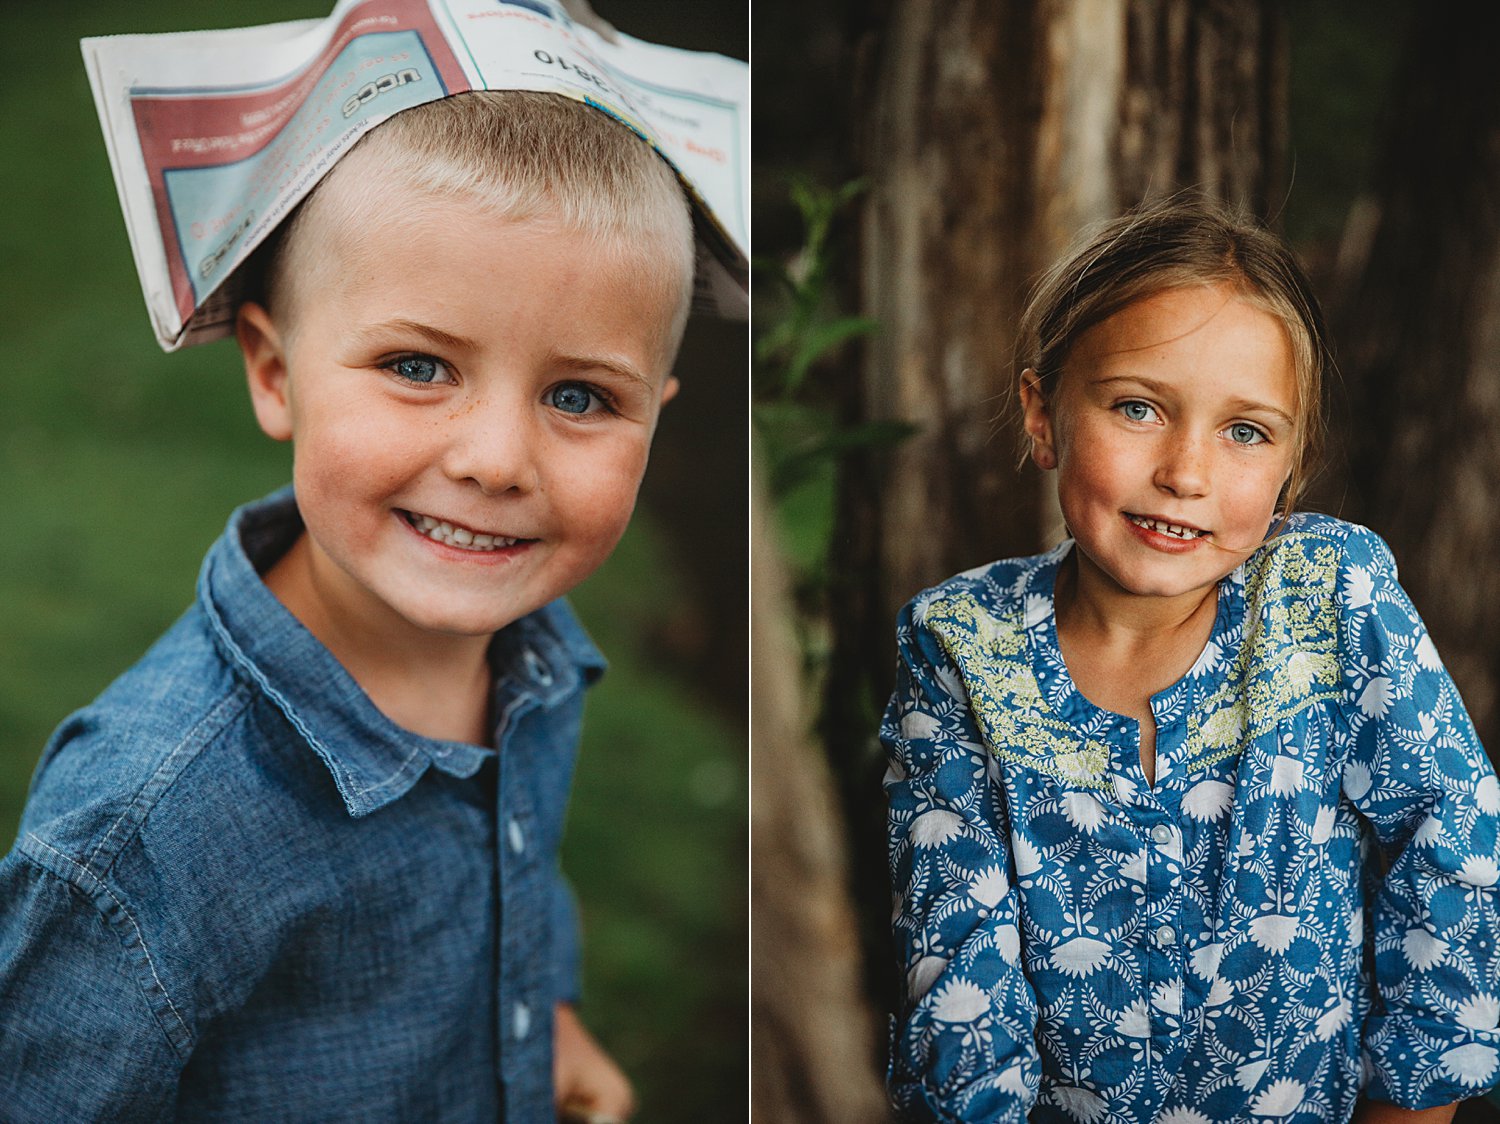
{"points": [[120, 466]]}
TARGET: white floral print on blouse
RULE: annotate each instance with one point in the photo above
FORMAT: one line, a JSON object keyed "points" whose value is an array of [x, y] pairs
{"points": [[1305, 904]]}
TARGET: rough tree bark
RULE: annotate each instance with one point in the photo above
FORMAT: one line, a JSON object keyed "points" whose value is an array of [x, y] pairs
{"points": [[1420, 342], [813, 1034], [993, 132]]}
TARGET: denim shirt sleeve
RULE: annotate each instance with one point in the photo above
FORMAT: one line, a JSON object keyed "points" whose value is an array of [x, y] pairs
{"points": [[963, 1048], [565, 931], [88, 1041], [1417, 773]]}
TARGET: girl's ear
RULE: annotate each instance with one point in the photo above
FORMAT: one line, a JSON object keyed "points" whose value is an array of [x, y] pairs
{"points": [[1037, 417], [265, 370]]}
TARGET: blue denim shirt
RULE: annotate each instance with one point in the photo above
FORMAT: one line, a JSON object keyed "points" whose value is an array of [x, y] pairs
{"points": [[240, 892]]}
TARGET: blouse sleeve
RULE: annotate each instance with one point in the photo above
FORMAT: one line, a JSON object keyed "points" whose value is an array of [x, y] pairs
{"points": [[1418, 774], [963, 1046]]}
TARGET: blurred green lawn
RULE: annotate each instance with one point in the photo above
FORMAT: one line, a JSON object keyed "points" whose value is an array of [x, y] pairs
{"points": [[121, 465]]}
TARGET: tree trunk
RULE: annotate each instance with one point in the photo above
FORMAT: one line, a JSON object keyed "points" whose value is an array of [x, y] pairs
{"points": [[813, 1033], [1420, 335], [994, 131]]}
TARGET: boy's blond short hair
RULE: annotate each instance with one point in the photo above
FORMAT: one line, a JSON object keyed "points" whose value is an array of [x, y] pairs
{"points": [[523, 156]]}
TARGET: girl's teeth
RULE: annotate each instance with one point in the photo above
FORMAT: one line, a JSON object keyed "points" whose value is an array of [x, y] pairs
{"points": [[1172, 529], [461, 537]]}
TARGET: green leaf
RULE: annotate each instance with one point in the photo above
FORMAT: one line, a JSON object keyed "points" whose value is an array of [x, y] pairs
{"points": [[822, 340]]}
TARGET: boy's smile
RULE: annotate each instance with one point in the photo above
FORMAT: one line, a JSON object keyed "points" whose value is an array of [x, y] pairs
{"points": [[471, 401], [1172, 429]]}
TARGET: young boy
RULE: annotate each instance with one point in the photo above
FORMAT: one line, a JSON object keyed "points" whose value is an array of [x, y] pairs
{"points": [[300, 862]]}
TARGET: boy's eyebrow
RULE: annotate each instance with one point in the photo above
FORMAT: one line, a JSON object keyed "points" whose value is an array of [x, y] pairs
{"points": [[436, 336], [583, 363], [1240, 405]]}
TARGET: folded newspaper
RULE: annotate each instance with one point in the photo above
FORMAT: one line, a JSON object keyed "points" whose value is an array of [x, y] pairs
{"points": [[214, 136]]}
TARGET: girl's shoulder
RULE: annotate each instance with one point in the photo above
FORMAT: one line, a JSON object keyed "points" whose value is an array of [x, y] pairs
{"points": [[1335, 546], [1315, 572], [998, 586]]}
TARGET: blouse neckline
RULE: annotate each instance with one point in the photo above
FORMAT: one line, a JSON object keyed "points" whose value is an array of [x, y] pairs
{"points": [[1039, 612]]}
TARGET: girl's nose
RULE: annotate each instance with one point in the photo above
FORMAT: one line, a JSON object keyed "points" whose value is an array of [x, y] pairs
{"points": [[495, 444], [1183, 468]]}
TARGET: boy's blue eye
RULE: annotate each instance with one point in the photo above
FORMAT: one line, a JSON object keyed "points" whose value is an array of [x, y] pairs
{"points": [[1137, 411], [417, 368], [572, 398], [1242, 434]]}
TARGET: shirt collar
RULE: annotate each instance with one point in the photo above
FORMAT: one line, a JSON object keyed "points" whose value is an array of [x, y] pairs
{"points": [[543, 656]]}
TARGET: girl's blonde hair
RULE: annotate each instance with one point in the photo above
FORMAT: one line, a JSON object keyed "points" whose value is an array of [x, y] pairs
{"points": [[1180, 241]]}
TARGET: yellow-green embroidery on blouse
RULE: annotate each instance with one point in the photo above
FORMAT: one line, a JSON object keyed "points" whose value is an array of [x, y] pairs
{"points": [[1288, 661]]}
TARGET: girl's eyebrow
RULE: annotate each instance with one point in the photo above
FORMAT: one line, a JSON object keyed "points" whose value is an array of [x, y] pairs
{"points": [[1237, 405]]}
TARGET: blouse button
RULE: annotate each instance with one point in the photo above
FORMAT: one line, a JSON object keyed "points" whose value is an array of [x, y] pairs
{"points": [[1166, 935], [1161, 835], [522, 1020], [517, 836]]}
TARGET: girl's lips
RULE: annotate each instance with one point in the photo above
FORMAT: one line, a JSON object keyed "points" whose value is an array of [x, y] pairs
{"points": [[457, 535]]}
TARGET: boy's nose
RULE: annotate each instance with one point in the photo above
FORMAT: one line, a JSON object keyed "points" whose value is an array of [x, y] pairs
{"points": [[494, 444], [1183, 468]]}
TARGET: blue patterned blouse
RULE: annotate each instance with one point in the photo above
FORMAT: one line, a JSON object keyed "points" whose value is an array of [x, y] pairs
{"points": [[1304, 905]]}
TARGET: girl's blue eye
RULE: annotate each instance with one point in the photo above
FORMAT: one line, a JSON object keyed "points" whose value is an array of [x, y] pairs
{"points": [[1243, 434], [417, 368], [573, 398], [1137, 411]]}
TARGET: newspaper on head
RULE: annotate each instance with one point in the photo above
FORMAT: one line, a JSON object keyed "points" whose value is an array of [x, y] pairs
{"points": [[215, 136]]}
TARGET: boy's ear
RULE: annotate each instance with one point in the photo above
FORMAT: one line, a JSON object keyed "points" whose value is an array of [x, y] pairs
{"points": [[265, 370], [1038, 420], [669, 389]]}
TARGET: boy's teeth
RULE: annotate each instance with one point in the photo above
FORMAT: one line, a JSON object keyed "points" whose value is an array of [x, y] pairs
{"points": [[1173, 529], [461, 537]]}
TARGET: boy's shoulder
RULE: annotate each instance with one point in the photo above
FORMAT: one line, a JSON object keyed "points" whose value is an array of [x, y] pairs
{"points": [[108, 765]]}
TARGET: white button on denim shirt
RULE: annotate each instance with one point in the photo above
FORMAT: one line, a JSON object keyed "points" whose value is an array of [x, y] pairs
{"points": [[1080, 945], [239, 892]]}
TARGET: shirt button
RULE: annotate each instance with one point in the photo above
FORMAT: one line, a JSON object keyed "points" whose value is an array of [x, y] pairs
{"points": [[516, 835], [1166, 935], [1161, 835], [538, 669], [522, 1020]]}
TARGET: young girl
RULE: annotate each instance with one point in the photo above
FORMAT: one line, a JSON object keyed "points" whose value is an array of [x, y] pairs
{"points": [[1187, 821]]}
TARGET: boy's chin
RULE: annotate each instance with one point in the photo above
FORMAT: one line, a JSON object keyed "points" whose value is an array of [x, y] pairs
{"points": [[458, 620]]}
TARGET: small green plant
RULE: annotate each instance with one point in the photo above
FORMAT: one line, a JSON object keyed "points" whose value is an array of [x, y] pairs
{"points": [[801, 429], [802, 421]]}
